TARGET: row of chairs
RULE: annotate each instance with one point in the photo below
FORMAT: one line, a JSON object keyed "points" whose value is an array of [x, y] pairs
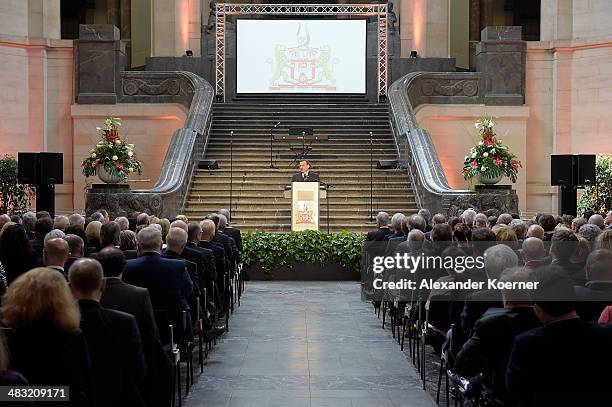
{"points": [[179, 341], [413, 320]]}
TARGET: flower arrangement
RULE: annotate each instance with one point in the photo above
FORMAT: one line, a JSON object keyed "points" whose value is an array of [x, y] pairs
{"points": [[490, 157], [114, 155]]}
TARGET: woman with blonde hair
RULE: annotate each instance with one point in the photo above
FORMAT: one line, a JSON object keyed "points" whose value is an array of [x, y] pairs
{"points": [[92, 232], [604, 240], [45, 342], [165, 224]]}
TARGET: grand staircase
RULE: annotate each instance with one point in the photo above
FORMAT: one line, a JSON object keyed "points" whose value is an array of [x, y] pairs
{"points": [[342, 161]]}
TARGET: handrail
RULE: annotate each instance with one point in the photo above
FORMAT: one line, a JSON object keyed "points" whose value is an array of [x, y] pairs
{"points": [[416, 150]]}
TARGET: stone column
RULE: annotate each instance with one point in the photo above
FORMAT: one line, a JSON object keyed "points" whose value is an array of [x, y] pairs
{"points": [[500, 56], [99, 61]]}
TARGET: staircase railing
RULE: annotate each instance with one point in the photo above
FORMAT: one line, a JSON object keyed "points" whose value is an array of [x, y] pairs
{"points": [[416, 150], [168, 195]]}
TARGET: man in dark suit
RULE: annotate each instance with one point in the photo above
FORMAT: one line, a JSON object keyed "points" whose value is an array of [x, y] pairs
{"points": [[566, 361], [206, 236], [112, 337], [76, 249], [305, 175], [230, 230], [231, 251], [496, 259], [43, 226], [167, 280], [120, 296], [382, 222], [597, 292], [488, 349]]}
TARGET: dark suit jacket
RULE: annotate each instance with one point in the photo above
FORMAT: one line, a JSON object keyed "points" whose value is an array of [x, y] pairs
{"points": [[592, 299], [488, 349], [312, 177], [204, 259], [116, 354], [192, 270], [120, 296], [565, 363], [231, 251], [236, 235], [476, 304], [219, 256], [167, 279], [130, 254], [47, 357], [378, 235]]}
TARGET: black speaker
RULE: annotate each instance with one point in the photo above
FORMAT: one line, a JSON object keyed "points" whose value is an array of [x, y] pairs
{"points": [[27, 168], [572, 170], [51, 168], [386, 164], [585, 165], [562, 170], [568, 200], [208, 164]]}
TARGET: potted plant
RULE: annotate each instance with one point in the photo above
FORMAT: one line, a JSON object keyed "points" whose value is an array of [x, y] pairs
{"points": [[112, 159], [489, 161], [14, 197]]}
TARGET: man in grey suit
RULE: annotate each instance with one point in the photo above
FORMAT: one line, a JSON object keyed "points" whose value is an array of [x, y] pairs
{"points": [[305, 175]]}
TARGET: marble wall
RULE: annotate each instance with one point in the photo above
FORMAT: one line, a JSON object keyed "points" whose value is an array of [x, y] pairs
{"points": [[148, 126]]}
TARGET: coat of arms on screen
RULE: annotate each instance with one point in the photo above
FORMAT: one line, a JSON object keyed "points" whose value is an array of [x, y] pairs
{"points": [[302, 67]]}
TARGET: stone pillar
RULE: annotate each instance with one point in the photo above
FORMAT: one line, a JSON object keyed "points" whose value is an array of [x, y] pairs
{"points": [[500, 56], [99, 60]]}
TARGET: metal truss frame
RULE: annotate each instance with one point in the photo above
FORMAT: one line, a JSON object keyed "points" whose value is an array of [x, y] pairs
{"points": [[225, 9]]}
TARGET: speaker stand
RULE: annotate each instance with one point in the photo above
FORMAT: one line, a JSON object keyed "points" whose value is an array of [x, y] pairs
{"points": [[568, 200], [45, 198]]}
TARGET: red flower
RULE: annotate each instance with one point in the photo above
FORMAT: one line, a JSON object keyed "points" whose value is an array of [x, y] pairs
{"points": [[488, 142], [515, 164], [473, 164], [95, 163], [84, 163], [111, 136], [497, 161], [119, 166]]}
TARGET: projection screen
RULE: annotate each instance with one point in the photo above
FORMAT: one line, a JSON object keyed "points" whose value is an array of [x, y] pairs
{"points": [[301, 56]]}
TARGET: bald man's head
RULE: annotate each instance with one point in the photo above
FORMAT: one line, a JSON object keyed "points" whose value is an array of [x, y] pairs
{"points": [[533, 249], [4, 218], [208, 229], [86, 279], [179, 224], [56, 252], [535, 231]]}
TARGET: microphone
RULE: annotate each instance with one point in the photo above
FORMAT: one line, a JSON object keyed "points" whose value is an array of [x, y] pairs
{"points": [[276, 125]]}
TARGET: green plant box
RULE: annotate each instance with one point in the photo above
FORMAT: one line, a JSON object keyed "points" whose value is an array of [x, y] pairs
{"points": [[303, 271]]}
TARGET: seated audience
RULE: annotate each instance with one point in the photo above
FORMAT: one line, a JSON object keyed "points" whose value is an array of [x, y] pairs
{"points": [[45, 342], [590, 232], [76, 219], [109, 234], [577, 224], [43, 226], [597, 220], [396, 225], [604, 240], [120, 296], [564, 245], [113, 340], [534, 254], [566, 361], [488, 348], [61, 223], [8, 377], [123, 222], [548, 223], [29, 223]]}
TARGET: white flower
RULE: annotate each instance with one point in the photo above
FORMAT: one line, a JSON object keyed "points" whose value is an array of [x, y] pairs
{"points": [[499, 141], [92, 150], [481, 143], [466, 157], [117, 141], [472, 150], [131, 145], [492, 151], [130, 154], [485, 154], [115, 158], [130, 169], [93, 155], [473, 155], [483, 168]]}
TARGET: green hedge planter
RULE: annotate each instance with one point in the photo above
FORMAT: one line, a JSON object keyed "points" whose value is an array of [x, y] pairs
{"points": [[309, 255]]}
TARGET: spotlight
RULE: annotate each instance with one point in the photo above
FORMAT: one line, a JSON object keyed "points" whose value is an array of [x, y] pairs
{"points": [[413, 54], [189, 53]]}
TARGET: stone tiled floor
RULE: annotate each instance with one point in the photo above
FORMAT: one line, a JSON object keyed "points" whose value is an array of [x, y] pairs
{"points": [[306, 344]]}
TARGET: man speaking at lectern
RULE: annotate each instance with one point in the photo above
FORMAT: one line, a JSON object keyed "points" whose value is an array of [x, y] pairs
{"points": [[305, 175]]}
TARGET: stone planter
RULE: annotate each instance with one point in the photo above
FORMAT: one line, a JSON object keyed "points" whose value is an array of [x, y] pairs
{"points": [[107, 177], [488, 180]]}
